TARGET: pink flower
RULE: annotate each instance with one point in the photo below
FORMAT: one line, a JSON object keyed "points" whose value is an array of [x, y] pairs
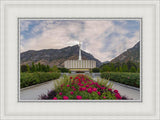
{"points": [[94, 89], [103, 88], [99, 93], [128, 77], [89, 90], [54, 98], [109, 89], [65, 97], [80, 89], [74, 89], [98, 86], [83, 89], [60, 93], [72, 83], [71, 92], [79, 97], [81, 84], [104, 97], [117, 95], [115, 91], [67, 85], [87, 86]]}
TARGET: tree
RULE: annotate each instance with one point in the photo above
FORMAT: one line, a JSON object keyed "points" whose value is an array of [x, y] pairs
{"points": [[55, 68], [95, 70], [124, 68], [33, 67], [133, 69], [28, 68], [23, 68]]}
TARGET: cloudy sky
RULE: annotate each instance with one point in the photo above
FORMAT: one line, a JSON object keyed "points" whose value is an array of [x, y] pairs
{"points": [[104, 39]]}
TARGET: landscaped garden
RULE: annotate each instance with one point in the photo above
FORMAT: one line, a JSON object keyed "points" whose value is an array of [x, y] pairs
{"points": [[82, 87]]}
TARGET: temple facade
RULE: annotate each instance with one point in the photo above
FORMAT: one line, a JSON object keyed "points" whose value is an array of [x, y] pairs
{"points": [[79, 65]]}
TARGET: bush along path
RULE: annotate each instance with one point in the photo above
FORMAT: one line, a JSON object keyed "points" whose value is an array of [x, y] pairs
{"points": [[29, 79], [82, 87]]}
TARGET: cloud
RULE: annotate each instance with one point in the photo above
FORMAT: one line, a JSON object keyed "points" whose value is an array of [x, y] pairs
{"points": [[104, 39]]}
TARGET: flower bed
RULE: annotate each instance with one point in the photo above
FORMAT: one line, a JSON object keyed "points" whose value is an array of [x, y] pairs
{"points": [[82, 87]]}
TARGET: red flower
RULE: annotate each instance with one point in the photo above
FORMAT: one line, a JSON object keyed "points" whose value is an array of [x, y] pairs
{"points": [[103, 88], [104, 97], [83, 89], [109, 89], [99, 93], [117, 95], [79, 97], [60, 93], [65, 97], [80, 89], [54, 98], [71, 77], [67, 85], [71, 92], [94, 89], [89, 90], [115, 91], [87, 86], [81, 84]]}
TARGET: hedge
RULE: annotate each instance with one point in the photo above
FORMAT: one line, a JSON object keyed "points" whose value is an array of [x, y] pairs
{"points": [[28, 79], [132, 79]]}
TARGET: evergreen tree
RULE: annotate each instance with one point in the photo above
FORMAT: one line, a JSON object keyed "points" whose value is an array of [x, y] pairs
{"points": [[133, 69]]}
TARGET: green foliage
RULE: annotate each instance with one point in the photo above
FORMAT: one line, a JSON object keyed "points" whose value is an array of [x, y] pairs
{"points": [[120, 67], [64, 70], [23, 68], [95, 70], [132, 79], [36, 68], [28, 79]]}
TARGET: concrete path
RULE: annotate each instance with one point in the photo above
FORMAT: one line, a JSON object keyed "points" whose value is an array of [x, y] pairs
{"points": [[33, 92]]}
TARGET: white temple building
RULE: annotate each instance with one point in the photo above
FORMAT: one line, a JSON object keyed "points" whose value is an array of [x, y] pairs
{"points": [[79, 65]]}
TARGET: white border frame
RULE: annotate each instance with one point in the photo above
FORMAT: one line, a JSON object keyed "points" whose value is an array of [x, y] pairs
{"points": [[7, 108]]}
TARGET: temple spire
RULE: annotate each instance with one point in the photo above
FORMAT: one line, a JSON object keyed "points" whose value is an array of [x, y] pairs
{"points": [[80, 58]]}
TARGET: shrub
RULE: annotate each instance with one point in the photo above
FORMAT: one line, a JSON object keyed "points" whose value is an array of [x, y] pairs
{"points": [[132, 79], [28, 79]]}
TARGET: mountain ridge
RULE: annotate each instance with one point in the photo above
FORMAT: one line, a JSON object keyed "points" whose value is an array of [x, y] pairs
{"points": [[55, 56]]}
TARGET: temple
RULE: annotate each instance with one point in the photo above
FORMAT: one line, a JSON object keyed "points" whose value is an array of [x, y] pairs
{"points": [[79, 65]]}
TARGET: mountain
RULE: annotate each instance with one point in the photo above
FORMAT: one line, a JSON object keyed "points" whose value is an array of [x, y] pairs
{"points": [[55, 56], [105, 62], [132, 54]]}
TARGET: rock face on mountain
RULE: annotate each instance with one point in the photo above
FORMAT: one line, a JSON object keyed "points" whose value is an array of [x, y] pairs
{"points": [[55, 56], [132, 54]]}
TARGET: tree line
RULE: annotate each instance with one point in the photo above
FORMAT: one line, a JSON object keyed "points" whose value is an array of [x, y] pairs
{"points": [[119, 67], [41, 68]]}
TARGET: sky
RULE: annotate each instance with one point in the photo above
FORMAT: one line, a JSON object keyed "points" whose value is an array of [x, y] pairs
{"points": [[104, 39]]}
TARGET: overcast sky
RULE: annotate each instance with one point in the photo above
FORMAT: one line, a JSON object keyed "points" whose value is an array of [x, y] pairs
{"points": [[104, 39]]}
